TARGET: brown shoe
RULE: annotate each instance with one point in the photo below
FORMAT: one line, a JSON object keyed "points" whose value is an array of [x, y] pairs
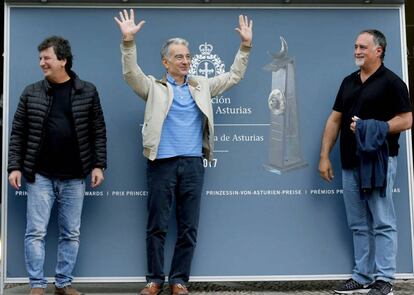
{"points": [[178, 289], [67, 290], [151, 289], [37, 291]]}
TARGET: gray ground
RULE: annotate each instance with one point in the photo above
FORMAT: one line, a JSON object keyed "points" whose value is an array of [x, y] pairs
{"points": [[402, 287]]}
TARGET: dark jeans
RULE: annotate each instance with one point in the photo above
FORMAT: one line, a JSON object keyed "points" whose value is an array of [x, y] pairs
{"points": [[180, 178]]}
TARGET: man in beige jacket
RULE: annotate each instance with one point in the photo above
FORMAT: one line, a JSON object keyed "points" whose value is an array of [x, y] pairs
{"points": [[178, 132]]}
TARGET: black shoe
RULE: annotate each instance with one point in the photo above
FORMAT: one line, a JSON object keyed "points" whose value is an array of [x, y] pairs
{"points": [[381, 288], [351, 286]]}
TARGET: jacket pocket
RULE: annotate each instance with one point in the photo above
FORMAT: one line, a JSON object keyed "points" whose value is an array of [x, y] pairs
{"points": [[148, 135]]}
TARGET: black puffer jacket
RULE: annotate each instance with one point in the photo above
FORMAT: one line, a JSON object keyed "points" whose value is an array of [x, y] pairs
{"points": [[28, 125]]}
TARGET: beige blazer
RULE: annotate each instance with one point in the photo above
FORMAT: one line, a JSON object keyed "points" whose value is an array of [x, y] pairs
{"points": [[158, 95]]}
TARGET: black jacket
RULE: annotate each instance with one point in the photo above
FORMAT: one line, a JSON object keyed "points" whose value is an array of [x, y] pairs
{"points": [[28, 125]]}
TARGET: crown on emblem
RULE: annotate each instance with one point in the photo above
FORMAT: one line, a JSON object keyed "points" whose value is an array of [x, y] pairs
{"points": [[205, 48]]}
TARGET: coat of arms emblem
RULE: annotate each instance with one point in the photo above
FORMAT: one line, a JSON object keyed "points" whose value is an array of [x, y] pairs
{"points": [[206, 64]]}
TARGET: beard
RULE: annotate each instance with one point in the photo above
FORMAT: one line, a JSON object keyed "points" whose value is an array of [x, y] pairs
{"points": [[359, 61]]}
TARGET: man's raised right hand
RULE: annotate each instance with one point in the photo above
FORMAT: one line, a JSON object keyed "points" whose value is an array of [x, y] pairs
{"points": [[127, 24]]}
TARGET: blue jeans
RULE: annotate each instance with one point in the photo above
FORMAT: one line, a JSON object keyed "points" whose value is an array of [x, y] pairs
{"points": [[179, 179], [41, 195], [374, 227]]}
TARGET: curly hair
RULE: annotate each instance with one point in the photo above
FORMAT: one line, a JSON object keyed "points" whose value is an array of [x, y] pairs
{"points": [[61, 48]]}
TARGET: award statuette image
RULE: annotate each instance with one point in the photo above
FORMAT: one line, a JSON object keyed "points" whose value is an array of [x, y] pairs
{"points": [[284, 137]]}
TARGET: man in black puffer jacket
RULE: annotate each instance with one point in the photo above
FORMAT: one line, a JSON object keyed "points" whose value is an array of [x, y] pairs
{"points": [[58, 137]]}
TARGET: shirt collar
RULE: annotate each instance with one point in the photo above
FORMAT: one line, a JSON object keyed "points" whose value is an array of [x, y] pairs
{"points": [[379, 71], [172, 81]]}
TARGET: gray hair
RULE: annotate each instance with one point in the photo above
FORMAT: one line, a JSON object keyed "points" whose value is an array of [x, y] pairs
{"points": [[379, 39], [165, 49]]}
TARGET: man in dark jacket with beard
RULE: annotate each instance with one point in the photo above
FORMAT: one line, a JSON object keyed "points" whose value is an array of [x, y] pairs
{"points": [[58, 137]]}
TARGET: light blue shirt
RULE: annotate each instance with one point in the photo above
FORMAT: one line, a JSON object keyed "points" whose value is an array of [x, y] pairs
{"points": [[182, 131]]}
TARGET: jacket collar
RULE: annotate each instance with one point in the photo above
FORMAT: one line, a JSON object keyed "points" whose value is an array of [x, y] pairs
{"points": [[76, 82]]}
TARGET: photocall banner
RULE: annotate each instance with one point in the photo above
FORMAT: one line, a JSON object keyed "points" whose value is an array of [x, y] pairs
{"points": [[266, 213]]}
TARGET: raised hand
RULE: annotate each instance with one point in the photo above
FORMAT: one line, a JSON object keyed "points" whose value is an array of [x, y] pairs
{"points": [[127, 24], [245, 30]]}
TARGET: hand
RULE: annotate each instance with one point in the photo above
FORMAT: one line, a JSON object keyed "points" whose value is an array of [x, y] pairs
{"points": [[325, 169], [97, 177], [15, 179], [245, 30], [353, 124], [127, 24]]}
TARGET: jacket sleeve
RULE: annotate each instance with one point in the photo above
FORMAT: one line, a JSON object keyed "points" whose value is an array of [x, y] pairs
{"points": [[133, 75], [18, 136], [99, 130], [222, 82]]}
